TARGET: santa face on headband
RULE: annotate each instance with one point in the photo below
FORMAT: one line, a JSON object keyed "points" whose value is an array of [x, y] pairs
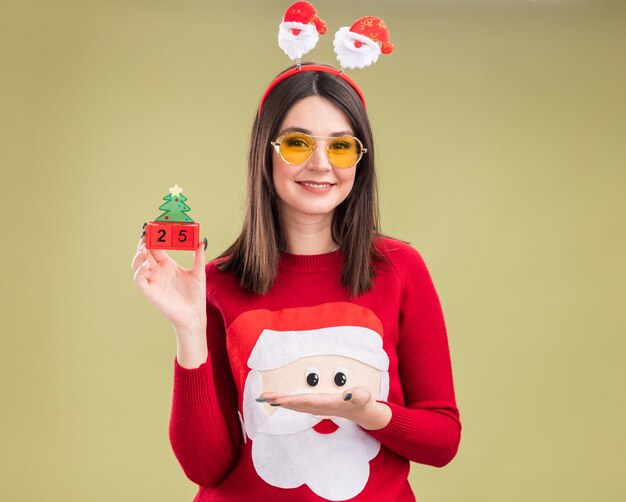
{"points": [[330, 455], [354, 50], [298, 33], [360, 45]]}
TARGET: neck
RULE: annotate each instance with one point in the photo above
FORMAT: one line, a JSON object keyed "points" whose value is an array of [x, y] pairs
{"points": [[309, 235]]}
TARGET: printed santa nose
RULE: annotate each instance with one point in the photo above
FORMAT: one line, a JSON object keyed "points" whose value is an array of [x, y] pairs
{"points": [[358, 44], [295, 32], [326, 426]]}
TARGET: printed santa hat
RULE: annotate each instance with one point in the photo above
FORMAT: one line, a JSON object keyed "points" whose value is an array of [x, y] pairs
{"points": [[275, 349], [298, 33], [361, 44], [263, 339]]}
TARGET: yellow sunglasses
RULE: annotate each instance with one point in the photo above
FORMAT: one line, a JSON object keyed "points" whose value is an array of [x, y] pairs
{"points": [[296, 147]]}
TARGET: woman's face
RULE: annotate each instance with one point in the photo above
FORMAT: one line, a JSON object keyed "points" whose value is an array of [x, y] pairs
{"points": [[315, 187]]}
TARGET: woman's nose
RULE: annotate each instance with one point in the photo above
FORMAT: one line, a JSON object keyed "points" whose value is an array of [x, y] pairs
{"points": [[319, 159]]}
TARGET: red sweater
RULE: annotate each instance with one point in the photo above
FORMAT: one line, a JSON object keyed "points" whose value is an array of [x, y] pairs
{"points": [[220, 436]]}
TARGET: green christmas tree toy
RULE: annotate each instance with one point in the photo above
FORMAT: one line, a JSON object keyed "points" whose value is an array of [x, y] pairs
{"points": [[174, 229]]}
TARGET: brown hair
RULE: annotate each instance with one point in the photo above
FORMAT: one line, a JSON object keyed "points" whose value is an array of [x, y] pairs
{"points": [[254, 255]]}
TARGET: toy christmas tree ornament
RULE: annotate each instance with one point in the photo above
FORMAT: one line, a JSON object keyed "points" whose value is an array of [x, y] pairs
{"points": [[174, 229]]}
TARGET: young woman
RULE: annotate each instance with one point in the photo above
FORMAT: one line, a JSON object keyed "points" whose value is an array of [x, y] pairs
{"points": [[312, 359]]}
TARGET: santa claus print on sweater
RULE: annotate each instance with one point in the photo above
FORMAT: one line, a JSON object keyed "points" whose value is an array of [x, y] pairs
{"points": [[324, 348]]}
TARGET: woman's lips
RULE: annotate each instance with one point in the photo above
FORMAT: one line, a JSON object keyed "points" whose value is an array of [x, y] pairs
{"points": [[316, 186]]}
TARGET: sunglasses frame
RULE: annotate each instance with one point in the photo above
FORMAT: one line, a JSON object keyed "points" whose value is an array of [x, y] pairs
{"points": [[276, 145]]}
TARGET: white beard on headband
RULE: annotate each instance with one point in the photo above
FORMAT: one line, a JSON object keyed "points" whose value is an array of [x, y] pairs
{"points": [[296, 39], [287, 452], [354, 50]]}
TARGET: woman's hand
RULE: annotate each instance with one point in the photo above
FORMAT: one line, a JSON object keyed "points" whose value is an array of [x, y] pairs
{"points": [[356, 404], [178, 293]]}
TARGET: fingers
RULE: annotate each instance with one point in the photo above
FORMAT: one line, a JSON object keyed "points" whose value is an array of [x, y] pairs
{"points": [[198, 259], [141, 275], [159, 255], [142, 262], [138, 258], [269, 396], [143, 254], [310, 402]]}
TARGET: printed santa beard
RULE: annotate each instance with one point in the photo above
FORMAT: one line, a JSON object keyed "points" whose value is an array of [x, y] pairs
{"points": [[355, 50], [299, 43], [323, 348], [287, 452]]}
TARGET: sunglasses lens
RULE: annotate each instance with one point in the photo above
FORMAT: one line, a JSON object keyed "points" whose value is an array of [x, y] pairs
{"points": [[344, 151], [296, 148]]}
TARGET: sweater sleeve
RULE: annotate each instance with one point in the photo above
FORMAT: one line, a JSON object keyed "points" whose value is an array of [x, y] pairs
{"points": [[427, 428], [204, 428]]}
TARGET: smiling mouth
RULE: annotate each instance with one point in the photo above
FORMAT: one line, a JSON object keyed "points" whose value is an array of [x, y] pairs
{"points": [[315, 185]]}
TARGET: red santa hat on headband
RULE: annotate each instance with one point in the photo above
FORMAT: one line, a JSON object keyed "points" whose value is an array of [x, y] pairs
{"points": [[298, 33], [361, 44]]}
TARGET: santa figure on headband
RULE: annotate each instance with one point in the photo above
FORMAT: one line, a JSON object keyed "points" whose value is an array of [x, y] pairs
{"points": [[356, 47], [361, 44], [298, 33], [326, 348]]}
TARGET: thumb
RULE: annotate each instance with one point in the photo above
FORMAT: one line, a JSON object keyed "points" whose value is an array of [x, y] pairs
{"points": [[198, 258], [358, 396]]}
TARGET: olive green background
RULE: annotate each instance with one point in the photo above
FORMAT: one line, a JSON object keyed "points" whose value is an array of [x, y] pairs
{"points": [[500, 131]]}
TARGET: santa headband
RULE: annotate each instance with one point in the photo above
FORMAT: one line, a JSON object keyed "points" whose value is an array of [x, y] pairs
{"points": [[356, 47]]}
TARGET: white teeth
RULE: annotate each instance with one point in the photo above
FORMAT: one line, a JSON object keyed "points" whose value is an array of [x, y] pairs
{"points": [[315, 185]]}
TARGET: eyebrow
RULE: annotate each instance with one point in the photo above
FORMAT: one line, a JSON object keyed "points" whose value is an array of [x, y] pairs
{"points": [[310, 133]]}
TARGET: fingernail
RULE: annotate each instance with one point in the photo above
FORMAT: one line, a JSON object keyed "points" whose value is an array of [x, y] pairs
{"points": [[274, 404], [144, 225], [347, 397], [260, 399], [143, 234], [205, 243]]}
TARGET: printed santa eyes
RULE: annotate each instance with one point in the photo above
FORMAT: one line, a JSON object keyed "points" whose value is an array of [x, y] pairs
{"points": [[340, 378], [312, 377]]}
